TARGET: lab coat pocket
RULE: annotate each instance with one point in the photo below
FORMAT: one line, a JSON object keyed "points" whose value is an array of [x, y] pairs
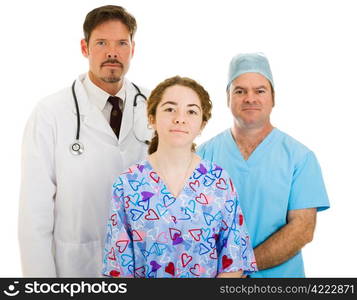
{"points": [[78, 259]]}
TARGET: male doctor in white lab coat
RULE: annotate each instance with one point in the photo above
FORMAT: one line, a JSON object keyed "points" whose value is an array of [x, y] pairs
{"points": [[65, 196]]}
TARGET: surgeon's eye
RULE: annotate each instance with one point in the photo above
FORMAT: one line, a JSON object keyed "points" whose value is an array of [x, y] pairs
{"points": [[123, 43], [169, 109], [261, 91], [100, 43], [238, 92]]}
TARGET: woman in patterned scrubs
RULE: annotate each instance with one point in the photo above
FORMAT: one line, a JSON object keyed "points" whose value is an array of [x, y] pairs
{"points": [[174, 214]]}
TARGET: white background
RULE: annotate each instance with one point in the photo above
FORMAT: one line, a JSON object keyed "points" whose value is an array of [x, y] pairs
{"points": [[312, 50]]}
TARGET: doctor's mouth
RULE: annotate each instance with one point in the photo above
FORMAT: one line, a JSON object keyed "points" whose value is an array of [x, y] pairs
{"points": [[112, 63]]}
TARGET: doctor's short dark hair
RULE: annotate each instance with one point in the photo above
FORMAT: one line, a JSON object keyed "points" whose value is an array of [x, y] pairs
{"points": [[156, 96], [107, 13]]}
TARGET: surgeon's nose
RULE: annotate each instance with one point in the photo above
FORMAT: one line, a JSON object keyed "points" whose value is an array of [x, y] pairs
{"points": [[250, 98]]}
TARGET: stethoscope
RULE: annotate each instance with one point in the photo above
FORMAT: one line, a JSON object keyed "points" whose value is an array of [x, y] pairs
{"points": [[77, 147]]}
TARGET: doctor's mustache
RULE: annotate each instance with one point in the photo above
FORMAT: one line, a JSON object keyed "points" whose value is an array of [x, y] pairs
{"points": [[112, 61]]}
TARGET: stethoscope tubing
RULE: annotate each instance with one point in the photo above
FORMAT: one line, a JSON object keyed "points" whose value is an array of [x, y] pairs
{"points": [[77, 110], [77, 148]]}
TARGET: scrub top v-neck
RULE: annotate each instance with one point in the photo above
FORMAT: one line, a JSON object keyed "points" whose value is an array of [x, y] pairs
{"points": [[258, 153]]}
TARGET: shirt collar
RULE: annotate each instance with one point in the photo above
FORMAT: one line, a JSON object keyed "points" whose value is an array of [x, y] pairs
{"points": [[99, 97]]}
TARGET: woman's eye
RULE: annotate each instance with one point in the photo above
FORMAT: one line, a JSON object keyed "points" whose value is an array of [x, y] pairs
{"points": [[192, 112], [169, 109]]}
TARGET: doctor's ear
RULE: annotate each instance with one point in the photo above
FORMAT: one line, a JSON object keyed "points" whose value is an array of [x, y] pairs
{"points": [[132, 48], [84, 48]]}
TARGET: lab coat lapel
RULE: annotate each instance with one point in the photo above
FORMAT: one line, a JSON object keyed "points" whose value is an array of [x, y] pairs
{"points": [[127, 119], [91, 116]]}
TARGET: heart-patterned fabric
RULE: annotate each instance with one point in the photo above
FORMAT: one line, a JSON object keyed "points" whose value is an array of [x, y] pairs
{"points": [[200, 233]]}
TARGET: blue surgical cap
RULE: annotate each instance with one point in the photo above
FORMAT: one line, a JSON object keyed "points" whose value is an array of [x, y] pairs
{"points": [[249, 63]]}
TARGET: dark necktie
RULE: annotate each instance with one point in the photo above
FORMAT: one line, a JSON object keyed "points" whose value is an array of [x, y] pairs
{"points": [[116, 114]]}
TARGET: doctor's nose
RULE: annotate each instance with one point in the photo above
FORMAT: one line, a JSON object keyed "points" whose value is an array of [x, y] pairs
{"points": [[112, 55], [112, 52]]}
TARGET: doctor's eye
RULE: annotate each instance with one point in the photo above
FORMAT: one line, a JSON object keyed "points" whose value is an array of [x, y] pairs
{"points": [[100, 43], [123, 43], [261, 91]]}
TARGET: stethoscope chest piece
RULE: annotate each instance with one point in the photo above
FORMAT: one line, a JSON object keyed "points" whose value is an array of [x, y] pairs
{"points": [[76, 148]]}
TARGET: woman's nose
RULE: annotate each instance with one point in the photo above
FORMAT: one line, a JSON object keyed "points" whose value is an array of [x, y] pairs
{"points": [[179, 119]]}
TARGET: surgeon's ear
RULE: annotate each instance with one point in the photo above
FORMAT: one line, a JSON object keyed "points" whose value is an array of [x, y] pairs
{"points": [[84, 48], [228, 98]]}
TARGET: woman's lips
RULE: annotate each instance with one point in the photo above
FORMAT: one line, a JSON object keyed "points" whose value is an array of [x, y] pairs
{"points": [[178, 130]]}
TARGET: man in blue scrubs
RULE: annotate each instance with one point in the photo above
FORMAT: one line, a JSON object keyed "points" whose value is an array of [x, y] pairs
{"points": [[278, 179]]}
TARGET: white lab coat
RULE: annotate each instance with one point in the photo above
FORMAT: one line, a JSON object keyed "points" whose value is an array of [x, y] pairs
{"points": [[65, 199]]}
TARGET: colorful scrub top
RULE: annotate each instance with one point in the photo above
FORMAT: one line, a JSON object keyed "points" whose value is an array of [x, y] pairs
{"points": [[281, 174], [201, 233]]}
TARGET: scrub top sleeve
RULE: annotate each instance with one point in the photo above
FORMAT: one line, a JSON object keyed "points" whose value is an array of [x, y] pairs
{"points": [[235, 251], [118, 259], [308, 188]]}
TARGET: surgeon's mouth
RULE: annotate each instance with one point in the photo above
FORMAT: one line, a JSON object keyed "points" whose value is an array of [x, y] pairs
{"points": [[250, 108]]}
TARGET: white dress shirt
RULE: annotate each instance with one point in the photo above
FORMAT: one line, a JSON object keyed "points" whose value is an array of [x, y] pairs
{"points": [[99, 97]]}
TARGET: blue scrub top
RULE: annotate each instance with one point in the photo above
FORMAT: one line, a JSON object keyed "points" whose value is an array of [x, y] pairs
{"points": [[281, 174]]}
